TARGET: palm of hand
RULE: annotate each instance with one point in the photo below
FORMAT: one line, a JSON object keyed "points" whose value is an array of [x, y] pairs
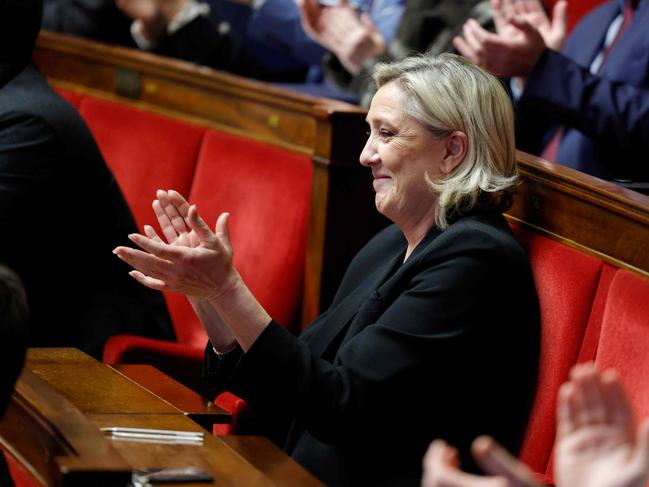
{"points": [[598, 456]]}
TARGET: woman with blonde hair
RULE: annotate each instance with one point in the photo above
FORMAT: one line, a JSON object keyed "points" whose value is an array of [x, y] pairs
{"points": [[434, 330]]}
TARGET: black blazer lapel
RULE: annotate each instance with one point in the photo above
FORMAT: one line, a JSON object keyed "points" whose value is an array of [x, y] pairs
{"points": [[339, 317], [377, 302]]}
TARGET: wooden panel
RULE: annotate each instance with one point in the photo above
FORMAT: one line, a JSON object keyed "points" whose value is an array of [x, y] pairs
{"points": [[598, 217], [108, 392], [209, 97]]}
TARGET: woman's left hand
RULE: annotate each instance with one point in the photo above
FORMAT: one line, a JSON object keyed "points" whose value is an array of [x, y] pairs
{"points": [[197, 263]]}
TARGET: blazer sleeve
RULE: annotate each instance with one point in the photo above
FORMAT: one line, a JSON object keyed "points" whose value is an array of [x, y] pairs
{"points": [[434, 324], [594, 105]]}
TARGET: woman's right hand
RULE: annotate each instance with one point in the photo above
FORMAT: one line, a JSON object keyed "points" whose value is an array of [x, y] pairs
{"points": [[172, 213], [194, 261]]}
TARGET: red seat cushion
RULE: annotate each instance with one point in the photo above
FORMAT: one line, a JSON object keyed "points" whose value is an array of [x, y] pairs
{"points": [[566, 282], [145, 151]]}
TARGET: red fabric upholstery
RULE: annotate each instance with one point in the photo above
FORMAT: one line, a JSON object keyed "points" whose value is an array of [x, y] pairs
{"points": [[566, 282], [145, 151], [72, 97], [624, 339], [20, 476], [239, 410]]}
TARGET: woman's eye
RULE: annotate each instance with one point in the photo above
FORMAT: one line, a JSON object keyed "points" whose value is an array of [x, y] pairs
{"points": [[385, 133]]}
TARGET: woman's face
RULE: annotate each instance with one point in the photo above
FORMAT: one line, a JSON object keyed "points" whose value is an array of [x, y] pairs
{"points": [[400, 151]]}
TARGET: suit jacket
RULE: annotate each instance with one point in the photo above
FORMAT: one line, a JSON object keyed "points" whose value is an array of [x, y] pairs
{"points": [[62, 213], [605, 116], [443, 345]]}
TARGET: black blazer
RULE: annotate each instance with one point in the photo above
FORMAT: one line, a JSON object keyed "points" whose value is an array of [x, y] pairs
{"points": [[443, 345], [61, 214]]}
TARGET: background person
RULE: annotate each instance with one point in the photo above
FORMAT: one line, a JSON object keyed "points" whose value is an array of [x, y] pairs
{"points": [[443, 296], [54, 184], [586, 107]]}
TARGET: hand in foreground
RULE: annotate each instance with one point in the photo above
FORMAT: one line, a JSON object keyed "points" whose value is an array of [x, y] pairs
{"points": [[155, 15], [194, 260], [339, 29], [441, 467], [598, 444], [512, 51]]}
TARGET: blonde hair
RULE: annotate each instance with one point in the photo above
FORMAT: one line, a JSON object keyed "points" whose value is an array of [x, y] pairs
{"points": [[448, 93]]}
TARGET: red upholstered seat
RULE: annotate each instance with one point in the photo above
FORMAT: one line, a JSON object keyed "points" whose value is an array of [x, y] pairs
{"points": [[267, 191], [566, 282], [624, 338], [144, 150]]}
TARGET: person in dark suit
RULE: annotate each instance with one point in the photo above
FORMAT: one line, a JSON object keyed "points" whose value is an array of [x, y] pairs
{"points": [[586, 107], [13, 345], [434, 330], [54, 183]]}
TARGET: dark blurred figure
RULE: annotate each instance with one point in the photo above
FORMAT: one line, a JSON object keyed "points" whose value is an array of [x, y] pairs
{"points": [[97, 19], [13, 343], [50, 166]]}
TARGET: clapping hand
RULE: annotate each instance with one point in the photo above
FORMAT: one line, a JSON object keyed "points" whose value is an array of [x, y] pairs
{"points": [[598, 443]]}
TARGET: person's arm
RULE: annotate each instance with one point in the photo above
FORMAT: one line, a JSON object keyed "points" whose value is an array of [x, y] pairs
{"points": [[422, 329], [595, 105]]}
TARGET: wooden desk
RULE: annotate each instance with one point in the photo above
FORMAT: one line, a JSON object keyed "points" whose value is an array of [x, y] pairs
{"points": [[69, 395], [195, 407]]}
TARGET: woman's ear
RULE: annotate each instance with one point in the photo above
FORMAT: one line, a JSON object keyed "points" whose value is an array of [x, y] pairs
{"points": [[456, 147]]}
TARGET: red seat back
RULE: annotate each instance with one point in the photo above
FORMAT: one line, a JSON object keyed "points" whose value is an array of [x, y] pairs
{"points": [[144, 150], [566, 281], [624, 338], [267, 191]]}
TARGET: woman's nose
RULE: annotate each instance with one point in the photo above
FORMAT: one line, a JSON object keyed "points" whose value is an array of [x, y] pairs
{"points": [[369, 156]]}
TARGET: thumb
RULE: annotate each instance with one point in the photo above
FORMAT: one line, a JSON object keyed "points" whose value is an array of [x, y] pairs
{"points": [[223, 232]]}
